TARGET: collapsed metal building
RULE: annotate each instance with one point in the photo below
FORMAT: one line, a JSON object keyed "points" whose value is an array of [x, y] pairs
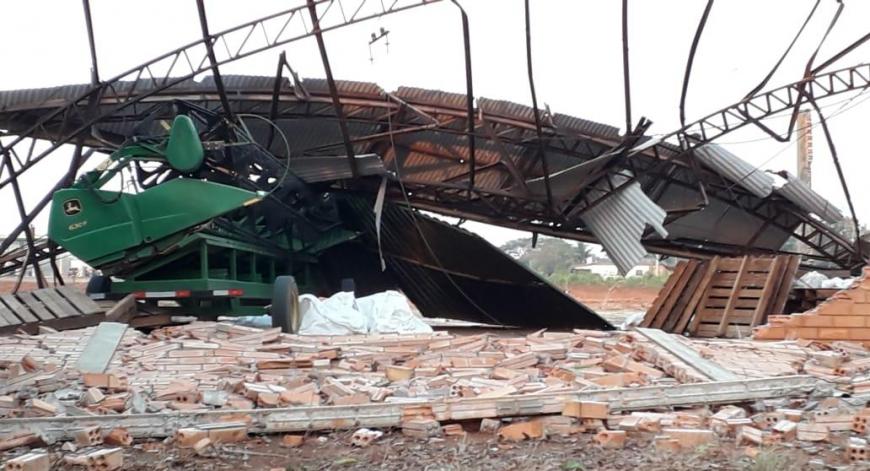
{"points": [[452, 154]]}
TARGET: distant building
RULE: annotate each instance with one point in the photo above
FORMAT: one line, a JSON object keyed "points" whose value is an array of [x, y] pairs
{"points": [[606, 269]]}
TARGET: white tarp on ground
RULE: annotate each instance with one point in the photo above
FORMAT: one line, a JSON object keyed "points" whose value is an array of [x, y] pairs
{"points": [[342, 314]]}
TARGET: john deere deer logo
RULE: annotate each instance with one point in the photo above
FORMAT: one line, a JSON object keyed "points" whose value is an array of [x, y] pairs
{"points": [[72, 207]]}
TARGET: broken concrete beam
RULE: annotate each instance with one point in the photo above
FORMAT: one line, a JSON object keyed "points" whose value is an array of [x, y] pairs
{"points": [[101, 347], [33, 461]]}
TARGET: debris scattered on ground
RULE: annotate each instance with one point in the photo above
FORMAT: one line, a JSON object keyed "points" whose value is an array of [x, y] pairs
{"points": [[210, 385]]}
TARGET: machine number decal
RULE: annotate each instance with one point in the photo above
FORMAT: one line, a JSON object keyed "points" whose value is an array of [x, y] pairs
{"points": [[77, 225]]}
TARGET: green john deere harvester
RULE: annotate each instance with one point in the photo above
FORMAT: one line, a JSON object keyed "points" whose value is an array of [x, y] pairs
{"points": [[210, 228]]}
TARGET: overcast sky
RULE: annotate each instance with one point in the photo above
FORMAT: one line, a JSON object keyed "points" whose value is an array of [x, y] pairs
{"points": [[577, 58]]}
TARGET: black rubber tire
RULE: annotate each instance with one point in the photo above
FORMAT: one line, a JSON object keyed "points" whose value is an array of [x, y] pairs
{"points": [[285, 305], [98, 284]]}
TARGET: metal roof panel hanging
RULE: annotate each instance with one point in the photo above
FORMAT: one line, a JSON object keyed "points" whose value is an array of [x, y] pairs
{"points": [[799, 193], [619, 222], [735, 169]]}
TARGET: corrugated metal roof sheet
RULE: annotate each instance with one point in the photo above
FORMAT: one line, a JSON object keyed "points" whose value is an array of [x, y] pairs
{"points": [[423, 158], [584, 126], [507, 109], [799, 193], [432, 97], [322, 169], [619, 222], [345, 88], [735, 169], [463, 276], [35, 97]]}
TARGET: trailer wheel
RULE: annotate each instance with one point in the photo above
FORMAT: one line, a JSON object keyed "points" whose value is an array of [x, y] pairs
{"points": [[285, 305], [98, 284]]}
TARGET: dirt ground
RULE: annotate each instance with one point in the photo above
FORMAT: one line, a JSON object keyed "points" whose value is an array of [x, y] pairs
{"points": [[8, 283], [598, 297], [613, 298], [473, 452]]}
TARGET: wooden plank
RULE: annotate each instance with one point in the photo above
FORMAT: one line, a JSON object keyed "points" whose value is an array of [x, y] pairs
{"points": [[653, 312], [673, 324], [101, 347], [742, 303], [778, 303], [753, 265], [20, 310], [714, 316], [688, 355], [383, 415], [68, 323], [679, 286], [770, 286], [80, 300], [55, 303], [732, 332], [743, 293], [7, 318], [729, 264], [756, 279], [734, 295], [700, 293], [123, 310]]}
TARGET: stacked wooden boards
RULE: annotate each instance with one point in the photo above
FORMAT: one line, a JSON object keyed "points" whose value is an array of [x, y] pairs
{"points": [[59, 308], [722, 297]]}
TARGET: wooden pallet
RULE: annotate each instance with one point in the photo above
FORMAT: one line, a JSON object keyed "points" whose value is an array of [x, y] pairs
{"points": [[722, 297], [59, 308]]}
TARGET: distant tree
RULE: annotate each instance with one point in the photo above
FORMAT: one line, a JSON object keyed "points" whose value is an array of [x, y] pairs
{"points": [[582, 253], [550, 256]]}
